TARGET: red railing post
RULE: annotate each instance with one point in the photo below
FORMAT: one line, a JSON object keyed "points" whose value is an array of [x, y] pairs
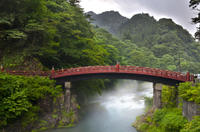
{"points": [[52, 71], [192, 77], [188, 76], [117, 67], [1, 67]]}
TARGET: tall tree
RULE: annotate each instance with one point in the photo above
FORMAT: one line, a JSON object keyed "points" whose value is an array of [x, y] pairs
{"points": [[194, 4], [74, 2]]}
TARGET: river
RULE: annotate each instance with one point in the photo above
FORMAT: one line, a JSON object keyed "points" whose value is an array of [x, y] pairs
{"points": [[114, 111]]}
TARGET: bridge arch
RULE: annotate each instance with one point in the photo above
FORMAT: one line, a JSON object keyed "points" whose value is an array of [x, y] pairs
{"points": [[121, 72], [115, 72]]}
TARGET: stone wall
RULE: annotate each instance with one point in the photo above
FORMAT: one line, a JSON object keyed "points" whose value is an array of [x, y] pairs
{"points": [[190, 109]]}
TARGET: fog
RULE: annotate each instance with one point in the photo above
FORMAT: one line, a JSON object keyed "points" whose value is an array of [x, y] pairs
{"points": [[115, 110]]}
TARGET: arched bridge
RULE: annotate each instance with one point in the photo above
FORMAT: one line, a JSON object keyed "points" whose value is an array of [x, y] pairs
{"points": [[115, 72], [122, 72]]}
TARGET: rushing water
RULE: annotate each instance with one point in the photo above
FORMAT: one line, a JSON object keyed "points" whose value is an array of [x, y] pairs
{"points": [[114, 111]]}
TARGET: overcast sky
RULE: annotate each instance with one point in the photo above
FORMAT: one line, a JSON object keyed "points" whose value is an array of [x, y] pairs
{"points": [[178, 10]]}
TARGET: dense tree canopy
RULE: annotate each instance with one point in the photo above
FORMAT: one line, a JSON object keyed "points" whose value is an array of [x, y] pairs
{"points": [[19, 94], [53, 32]]}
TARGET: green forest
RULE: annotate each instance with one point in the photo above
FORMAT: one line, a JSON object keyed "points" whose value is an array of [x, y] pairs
{"points": [[41, 34], [36, 35], [144, 41]]}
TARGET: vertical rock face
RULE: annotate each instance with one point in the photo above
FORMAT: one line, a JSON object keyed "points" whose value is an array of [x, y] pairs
{"points": [[157, 94], [62, 112], [190, 109]]}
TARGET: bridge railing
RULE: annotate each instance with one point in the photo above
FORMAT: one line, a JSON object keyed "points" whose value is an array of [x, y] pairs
{"points": [[153, 72], [124, 69], [108, 69]]}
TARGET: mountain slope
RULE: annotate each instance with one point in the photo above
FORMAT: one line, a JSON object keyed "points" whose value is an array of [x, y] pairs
{"points": [[162, 44], [110, 20]]}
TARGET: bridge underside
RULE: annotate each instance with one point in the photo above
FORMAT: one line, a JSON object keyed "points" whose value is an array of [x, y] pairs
{"points": [[139, 77]]}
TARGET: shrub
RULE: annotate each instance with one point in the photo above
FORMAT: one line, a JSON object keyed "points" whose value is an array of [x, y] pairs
{"points": [[190, 92], [169, 96], [19, 94], [148, 102], [192, 126], [169, 120], [173, 122], [159, 115]]}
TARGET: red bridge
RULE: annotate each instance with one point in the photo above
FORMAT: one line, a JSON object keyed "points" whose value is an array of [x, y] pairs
{"points": [[115, 72]]}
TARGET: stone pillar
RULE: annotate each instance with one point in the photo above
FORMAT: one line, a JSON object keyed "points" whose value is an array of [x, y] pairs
{"points": [[157, 94], [190, 109], [67, 97]]}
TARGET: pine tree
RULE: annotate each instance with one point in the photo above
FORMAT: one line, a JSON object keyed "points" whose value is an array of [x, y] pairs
{"points": [[194, 4], [74, 2]]}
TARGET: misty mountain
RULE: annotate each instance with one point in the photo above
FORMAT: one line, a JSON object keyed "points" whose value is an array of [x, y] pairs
{"points": [[145, 31], [162, 41], [140, 26], [110, 20]]}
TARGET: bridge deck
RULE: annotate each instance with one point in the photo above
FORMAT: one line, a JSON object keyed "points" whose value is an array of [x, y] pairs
{"points": [[114, 70]]}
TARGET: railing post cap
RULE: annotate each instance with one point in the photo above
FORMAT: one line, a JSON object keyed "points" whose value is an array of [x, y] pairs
{"points": [[52, 69], [1, 68]]}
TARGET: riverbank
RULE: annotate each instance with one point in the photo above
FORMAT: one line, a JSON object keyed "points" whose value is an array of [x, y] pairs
{"points": [[169, 118], [161, 120]]}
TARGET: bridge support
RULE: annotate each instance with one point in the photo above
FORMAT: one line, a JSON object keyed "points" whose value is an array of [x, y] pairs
{"points": [[67, 97], [157, 94]]}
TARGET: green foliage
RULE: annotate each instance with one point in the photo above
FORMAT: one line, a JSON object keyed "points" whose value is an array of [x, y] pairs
{"points": [[159, 115], [143, 127], [190, 92], [109, 20], [193, 125], [68, 115], [162, 120], [148, 102], [19, 95], [169, 95], [30, 116], [173, 122], [39, 34], [169, 119], [144, 41], [74, 2], [90, 88], [55, 32]]}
